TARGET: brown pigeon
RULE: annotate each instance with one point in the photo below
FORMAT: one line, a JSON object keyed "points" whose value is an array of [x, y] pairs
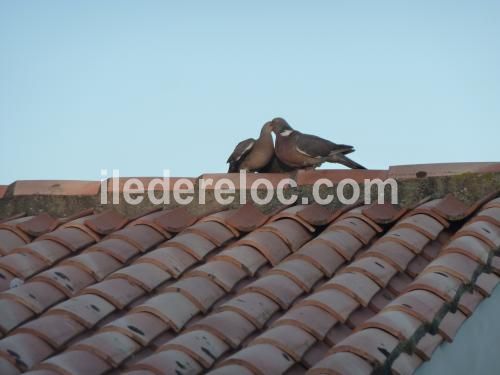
{"points": [[299, 150], [253, 155]]}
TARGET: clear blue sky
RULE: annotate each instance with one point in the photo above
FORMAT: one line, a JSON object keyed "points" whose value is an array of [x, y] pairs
{"points": [[147, 85]]}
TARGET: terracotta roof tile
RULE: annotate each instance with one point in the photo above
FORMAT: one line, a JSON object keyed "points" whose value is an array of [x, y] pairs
{"points": [[201, 345], [253, 306], [5, 279], [38, 225], [440, 283], [424, 301], [420, 304], [490, 215], [47, 250], [142, 237], [311, 317], [316, 215], [357, 212], [172, 260], [309, 177], [173, 308], [86, 309], [212, 299], [175, 220], [410, 238], [394, 253], [427, 345], [397, 323], [440, 169], [229, 326], [335, 301], [73, 238], [486, 232], [357, 227], [372, 344], [343, 242], [112, 347], [449, 325], [6, 366], [261, 359], [292, 340], [244, 256], [246, 218], [356, 285], [457, 265], [215, 232], [383, 213], [225, 275], [13, 225], [302, 272], [343, 363], [376, 269], [69, 279], [202, 292], [79, 224], [448, 207], [9, 241], [13, 314], [290, 231], [486, 282], [320, 255], [269, 244], [97, 264], [304, 215], [106, 222], [279, 288], [22, 265], [117, 184], [118, 292], [119, 249], [170, 362], [36, 296], [149, 218], [24, 350], [55, 187], [143, 327], [469, 246], [56, 330], [406, 364], [146, 275], [196, 245], [422, 223], [75, 362], [469, 301]]}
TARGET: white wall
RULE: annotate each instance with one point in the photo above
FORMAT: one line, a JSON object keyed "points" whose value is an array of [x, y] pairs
{"points": [[476, 347]]}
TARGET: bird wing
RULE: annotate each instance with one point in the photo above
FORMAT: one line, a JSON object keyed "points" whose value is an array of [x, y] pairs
{"points": [[316, 147], [241, 149]]}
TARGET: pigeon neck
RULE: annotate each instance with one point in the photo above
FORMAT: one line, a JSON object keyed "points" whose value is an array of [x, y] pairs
{"points": [[286, 133]]}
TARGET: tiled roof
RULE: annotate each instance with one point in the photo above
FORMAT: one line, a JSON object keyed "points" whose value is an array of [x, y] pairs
{"points": [[344, 291], [242, 290]]}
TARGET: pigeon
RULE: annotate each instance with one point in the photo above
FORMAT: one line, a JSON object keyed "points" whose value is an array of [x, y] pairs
{"points": [[299, 150], [253, 155]]}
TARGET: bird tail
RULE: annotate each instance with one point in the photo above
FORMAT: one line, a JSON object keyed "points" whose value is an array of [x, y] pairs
{"points": [[344, 160], [342, 149]]}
